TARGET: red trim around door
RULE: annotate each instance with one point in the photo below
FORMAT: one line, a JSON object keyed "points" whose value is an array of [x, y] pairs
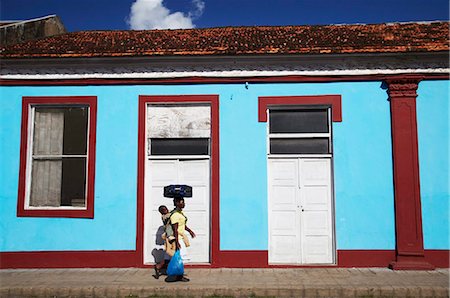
{"points": [[27, 102], [334, 101], [213, 100]]}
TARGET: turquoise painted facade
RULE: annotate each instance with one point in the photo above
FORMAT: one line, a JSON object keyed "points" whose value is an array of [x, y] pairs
{"points": [[433, 125], [363, 180]]}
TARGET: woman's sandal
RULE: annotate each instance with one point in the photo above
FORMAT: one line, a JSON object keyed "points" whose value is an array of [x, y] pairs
{"points": [[184, 279], [157, 273]]}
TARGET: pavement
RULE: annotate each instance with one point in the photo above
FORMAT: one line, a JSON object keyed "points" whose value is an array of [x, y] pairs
{"points": [[295, 282]]}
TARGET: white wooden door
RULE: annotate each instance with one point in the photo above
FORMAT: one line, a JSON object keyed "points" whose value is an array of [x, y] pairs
{"points": [[160, 173], [284, 214], [300, 211], [316, 210]]}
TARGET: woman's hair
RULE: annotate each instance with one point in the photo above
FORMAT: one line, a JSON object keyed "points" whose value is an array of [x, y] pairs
{"points": [[176, 200]]}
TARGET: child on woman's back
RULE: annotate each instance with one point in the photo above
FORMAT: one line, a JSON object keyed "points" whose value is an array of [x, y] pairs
{"points": [[169, 239], [165, 216]]}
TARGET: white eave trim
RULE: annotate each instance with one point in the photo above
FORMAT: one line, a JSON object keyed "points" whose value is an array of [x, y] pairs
{"points": [[225, 66], [223, 74]]}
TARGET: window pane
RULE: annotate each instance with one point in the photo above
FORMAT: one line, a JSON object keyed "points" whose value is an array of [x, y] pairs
{"points": [[298, 121], [73, 189], [75, 130], [299, 146], [189, 146], [46, 183], [60, 182], [175, 121], [60, 131], [48, 131]]}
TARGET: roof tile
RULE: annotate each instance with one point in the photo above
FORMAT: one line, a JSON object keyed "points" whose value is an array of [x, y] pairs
{"points": [[331, 39]]}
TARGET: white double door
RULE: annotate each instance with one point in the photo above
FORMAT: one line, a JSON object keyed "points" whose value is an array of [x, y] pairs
{"points": [[160, 173], [300, 211]]}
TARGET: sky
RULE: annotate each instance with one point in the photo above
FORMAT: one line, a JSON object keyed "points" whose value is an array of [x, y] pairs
{"points": [[78, 15]]}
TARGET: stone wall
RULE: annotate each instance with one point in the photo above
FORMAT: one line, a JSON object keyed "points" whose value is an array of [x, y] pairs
{"points": [[17, 32]]}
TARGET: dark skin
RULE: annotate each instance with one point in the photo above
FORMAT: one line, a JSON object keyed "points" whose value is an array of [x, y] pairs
{"points": [[163, 210], [179, 205]]}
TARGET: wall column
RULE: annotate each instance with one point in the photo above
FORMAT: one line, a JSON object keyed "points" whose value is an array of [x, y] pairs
{"points": [[408, 211]]}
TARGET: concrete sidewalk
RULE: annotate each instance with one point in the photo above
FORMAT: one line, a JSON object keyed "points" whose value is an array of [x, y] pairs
{"points": [[305, 282]]}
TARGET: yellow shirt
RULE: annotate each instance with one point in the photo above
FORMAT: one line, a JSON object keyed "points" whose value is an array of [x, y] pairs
{"points": [[179, 218]]}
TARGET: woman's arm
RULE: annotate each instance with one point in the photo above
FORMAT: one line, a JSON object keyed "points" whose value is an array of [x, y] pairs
{"points": [[190, 232]]}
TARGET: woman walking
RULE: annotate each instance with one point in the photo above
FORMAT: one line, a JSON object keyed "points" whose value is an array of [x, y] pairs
{"points": [[178, 220]]}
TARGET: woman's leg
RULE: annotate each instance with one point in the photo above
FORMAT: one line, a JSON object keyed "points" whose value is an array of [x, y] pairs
{"points": [[185, 257]]}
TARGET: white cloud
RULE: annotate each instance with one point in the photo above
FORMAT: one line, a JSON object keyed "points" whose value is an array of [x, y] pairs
{"points": [[152, 14], [199, 7]]}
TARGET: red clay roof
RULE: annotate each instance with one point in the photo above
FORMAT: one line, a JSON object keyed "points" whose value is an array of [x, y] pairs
{"points": [[331, 39]]}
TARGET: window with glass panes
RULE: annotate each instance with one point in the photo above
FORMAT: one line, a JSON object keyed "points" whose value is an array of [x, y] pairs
{"points": [[300, 130], [56, 176], [179, 130], [59, 156]]}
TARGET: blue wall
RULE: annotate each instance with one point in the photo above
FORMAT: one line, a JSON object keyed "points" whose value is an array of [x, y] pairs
{"points": [[114, 225], [433, 125], [362, 168]]}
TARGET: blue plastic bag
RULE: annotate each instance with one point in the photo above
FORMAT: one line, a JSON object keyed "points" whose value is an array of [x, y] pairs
{"points": [[175, 266]]}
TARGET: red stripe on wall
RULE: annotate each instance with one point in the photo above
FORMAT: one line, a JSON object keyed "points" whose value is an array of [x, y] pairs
{"points": [[382, 258], [243, 259], [69, 259], [440, 258], [228, 259], [365, 258], [214, 80]]}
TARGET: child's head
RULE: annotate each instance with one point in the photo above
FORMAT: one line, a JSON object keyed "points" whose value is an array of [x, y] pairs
{"points": [[163, 209]]}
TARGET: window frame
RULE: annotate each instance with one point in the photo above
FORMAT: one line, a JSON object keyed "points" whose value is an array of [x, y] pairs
{"points": [[28, 104], [334, 101], [177, 156], [327, 135]]}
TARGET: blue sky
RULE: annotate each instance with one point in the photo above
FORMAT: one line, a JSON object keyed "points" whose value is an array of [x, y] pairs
{"points": [[148, 14]]}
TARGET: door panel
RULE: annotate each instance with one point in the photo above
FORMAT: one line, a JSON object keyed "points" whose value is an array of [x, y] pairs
{"points": [[300, 211], [284, 219], [315, 248], [315, 189], [161, 173], [196, 174]]}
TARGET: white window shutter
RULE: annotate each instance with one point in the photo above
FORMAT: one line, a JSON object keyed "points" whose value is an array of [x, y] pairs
{"points": [[47, 174]]}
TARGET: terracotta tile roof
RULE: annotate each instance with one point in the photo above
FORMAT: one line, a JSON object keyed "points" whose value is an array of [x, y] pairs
{"points": [[331, 39]]}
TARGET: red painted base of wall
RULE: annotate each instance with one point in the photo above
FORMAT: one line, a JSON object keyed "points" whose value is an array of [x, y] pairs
{"points": [[242, 259], [227, 259], [438, 258], [365, 258], [385, 258], [68, 259]]}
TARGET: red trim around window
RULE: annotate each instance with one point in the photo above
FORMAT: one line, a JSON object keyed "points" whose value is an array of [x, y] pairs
{"points": [[59, 100], [213, 100], [332, 100]]}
